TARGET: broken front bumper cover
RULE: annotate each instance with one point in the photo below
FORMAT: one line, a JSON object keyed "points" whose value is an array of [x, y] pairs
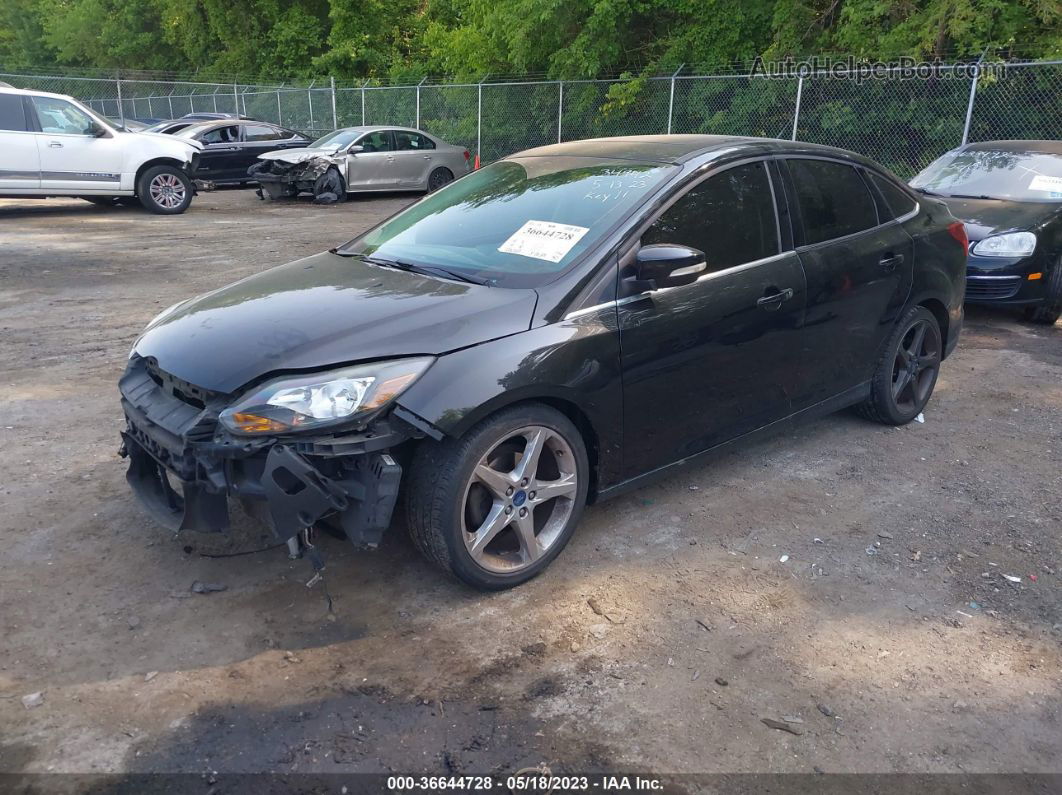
{"points": [[317, 175], [184, 466]]}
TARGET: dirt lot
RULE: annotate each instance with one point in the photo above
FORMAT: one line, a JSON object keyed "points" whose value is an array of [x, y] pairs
{"points": [[890, 629]]}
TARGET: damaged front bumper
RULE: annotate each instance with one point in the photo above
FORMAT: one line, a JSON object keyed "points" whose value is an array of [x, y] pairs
{"points": [[184, 466], [317, 175]]}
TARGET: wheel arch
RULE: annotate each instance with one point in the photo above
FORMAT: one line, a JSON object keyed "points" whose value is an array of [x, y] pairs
{"points": [[155, 161], [458, 426], [940, 312]]}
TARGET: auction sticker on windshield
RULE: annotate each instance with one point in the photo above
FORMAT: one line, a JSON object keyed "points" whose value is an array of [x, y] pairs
{"points": [[1043, 182], [543, 240]]}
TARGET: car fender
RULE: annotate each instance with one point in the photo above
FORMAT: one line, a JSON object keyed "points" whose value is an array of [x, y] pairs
{"points": [[572, 364], [141, 148]]}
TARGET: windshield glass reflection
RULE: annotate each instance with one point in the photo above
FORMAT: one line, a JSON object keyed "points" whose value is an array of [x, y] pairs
{"points": [[517, 222]]}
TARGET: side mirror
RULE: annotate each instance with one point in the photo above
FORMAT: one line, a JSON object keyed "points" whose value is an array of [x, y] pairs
{"points": [[667, 265], [353, 149]]}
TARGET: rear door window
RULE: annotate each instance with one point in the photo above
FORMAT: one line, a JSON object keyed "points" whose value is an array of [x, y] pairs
{"points": [[730, 217], [262, 132], [834, 201], [413, 141], [12, 113], [900, 203]]}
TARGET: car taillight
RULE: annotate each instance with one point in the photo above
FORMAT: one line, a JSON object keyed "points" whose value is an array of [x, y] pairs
{"points": [[468, 154], [958, 231]]}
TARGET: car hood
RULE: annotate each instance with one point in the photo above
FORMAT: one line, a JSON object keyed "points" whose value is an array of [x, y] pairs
{"points": [[321, 312], [297, 155], [197, 145], [984, 217]]}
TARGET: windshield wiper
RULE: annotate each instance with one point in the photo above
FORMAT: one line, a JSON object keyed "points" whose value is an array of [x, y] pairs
{"points": [[969, 196], [429, 270], [926, 192]]}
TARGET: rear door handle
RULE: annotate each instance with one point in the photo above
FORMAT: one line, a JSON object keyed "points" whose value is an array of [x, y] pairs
{"points": [[774, 300], [55, 145], [890, 261]]}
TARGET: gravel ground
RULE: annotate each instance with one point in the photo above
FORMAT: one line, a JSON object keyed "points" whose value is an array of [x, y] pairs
{"points": [[662, 637]]}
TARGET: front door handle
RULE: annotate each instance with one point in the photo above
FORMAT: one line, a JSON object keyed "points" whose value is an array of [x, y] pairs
{"points": [[890, 261], [774, 300], [55, 145]]}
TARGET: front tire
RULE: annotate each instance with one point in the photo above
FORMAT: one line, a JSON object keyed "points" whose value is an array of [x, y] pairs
{"points": [[496, 506], [164, 190], [1050, 310], [907, 371]]}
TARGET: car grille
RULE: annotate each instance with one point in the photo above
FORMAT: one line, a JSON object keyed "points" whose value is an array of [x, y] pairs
{"points": [[991, 288]]}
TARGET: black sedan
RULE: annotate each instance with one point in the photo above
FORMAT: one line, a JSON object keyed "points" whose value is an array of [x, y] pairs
{"points": [[1009, 194], [231, 146], [553, 329]]}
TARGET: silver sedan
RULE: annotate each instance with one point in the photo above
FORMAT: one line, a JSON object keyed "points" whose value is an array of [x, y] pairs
{"points": [[364, 159]]}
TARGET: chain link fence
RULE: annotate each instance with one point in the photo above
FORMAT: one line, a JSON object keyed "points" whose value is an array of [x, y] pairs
{"points": [[903, 122]]}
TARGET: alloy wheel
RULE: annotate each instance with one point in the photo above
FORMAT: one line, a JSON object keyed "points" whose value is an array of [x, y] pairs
{"points": [[914, 370], [518, 500], [167, 191], [437, 179]]}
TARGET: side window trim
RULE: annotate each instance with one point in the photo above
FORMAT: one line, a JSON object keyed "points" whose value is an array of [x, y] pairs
{"points": [[33, 123], [783, 204], [796, 209]]}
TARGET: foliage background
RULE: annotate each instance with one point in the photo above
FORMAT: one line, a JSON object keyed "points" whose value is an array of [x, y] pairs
{"points": [[562, 39]]}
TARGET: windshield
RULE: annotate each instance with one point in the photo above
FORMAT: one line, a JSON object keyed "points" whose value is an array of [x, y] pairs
{"points": [[336, 140], [515, 223], [1023, 176]]}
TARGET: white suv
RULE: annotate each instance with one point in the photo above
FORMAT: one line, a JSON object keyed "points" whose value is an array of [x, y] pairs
{"points": [[52, 145]]}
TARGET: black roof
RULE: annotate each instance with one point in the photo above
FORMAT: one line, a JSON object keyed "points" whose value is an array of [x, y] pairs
{"points": [[681, 148], [1050, 147]]}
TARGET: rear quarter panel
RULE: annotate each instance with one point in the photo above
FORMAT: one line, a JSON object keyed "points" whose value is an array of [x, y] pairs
{"points": [[940, 264]]}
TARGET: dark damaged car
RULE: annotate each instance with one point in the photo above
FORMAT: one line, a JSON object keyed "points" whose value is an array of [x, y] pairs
{"points": [[550, 330]]}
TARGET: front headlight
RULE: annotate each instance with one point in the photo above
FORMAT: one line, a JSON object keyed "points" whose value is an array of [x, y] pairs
{"points": [[310, 402], [1013, 244]]}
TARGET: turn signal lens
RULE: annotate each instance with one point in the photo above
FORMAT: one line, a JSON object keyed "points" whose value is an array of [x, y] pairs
{"points": [[1035, 276], [389, 390], [958, 231], [253, 423]]}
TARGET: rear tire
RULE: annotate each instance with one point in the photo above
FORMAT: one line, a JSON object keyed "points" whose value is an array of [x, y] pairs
{"points": [[1050, 310], [478, 510], [907, 371], [164, 190], [438, 178]]}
